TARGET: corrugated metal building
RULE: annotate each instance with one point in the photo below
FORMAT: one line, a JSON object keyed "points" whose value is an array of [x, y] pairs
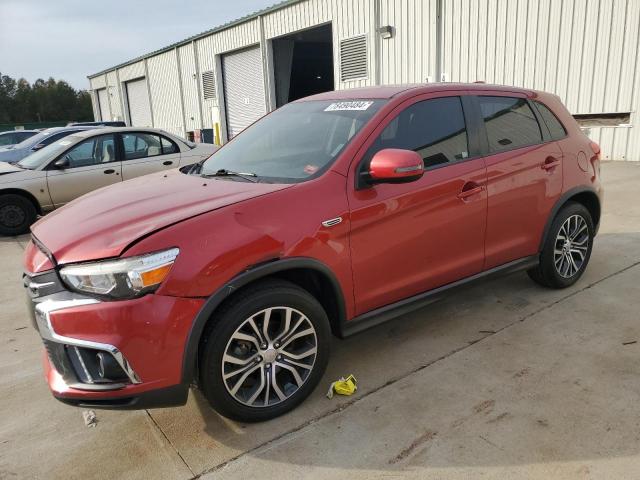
{"points": [[586, 51]]}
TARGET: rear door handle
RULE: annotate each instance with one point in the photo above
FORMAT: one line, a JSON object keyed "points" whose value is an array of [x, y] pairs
{"points": [[550, 163], [168, 162], [470, 189], [109, 171]]}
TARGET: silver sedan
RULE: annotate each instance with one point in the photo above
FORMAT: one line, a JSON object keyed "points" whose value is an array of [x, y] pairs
{"points": [[82, 162]]}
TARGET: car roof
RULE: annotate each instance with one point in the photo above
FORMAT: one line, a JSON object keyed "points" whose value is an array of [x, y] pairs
{"points": [[19, 131], [390, 91], [104, 130]]}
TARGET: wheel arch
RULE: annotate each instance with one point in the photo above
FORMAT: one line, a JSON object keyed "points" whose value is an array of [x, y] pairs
{"points": [[582, 195], [309, 274], [24, 193]]}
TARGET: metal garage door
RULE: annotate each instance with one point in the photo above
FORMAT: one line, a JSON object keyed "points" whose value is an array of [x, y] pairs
{"points": [[103, 103], [138, 99], [243, 89]]}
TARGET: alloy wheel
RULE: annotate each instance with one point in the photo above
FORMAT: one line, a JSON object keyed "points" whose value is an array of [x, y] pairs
{"points": [[571, 246], [269, 357]]}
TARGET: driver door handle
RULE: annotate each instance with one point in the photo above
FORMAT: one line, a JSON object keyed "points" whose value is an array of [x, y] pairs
{"points": [[550, 163], [109, 171], [168, 162], [469, 189]]}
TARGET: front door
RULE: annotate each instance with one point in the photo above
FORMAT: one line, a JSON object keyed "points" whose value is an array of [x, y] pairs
{"points": [[410, 238], [524, 178], [91, 164], [145, 153]]}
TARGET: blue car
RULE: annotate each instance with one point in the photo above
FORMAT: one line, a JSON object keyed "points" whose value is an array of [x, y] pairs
{"points": [[15, 153], [13, 137]]}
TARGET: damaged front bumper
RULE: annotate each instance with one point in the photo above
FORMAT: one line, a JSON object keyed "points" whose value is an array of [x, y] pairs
{"points": [[111, 354]]}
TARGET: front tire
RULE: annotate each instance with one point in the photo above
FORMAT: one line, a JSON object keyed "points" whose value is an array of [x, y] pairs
{"points": [[265, 353], [17, 213], [567, 249]]}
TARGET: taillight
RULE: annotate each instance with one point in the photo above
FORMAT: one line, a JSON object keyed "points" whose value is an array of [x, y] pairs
{"points": [[596, 149], [595, 160]]}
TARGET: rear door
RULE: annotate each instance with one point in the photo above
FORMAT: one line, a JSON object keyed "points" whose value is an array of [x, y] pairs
{"points": [[92, 164], [144, 153], [410, 238], [524, 176]]}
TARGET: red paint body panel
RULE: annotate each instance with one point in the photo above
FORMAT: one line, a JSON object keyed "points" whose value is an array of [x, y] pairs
{"points": [[103, 223], [35, 261], [393, 241], [150, 331]]}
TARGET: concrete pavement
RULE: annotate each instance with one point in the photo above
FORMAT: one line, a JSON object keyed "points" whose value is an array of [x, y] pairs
{"points": [[506, 380]]}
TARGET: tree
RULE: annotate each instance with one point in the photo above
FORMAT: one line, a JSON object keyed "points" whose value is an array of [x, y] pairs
{"points": [[45, 101]]}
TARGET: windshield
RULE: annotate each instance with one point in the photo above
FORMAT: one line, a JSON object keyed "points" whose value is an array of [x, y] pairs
{"points": [[37, 138], [295, 142], [47, 153]]}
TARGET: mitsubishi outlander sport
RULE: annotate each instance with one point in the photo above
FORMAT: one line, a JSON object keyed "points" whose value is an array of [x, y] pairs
{"points": [[330, 215]]}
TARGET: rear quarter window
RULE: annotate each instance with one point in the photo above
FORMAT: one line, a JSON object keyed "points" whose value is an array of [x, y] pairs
{"points": [[556, 128], [510, 123]]}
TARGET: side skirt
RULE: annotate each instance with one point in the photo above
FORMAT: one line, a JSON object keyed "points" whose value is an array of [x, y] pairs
{"points": [[389, 312]]}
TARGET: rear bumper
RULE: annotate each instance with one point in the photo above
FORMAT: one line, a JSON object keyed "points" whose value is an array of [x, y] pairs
{"points": [[140, 341]]}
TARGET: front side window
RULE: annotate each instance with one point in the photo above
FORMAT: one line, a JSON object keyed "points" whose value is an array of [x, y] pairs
{"points": [[433, 128], [168, 146], [555, 127], [510, 123], [93, 151], [141, 145], [8, 139], [296, 142]]}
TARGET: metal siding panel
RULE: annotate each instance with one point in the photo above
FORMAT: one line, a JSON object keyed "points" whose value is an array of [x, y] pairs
{"points": [[131, 72], [114, 93], [243, 89], [103, 103], [630, 63], [601, 59], [619, 151], [189, 77], [165, 93]]}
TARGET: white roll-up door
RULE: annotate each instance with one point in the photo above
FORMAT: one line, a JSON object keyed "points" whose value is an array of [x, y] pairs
{"points": [[243, 89], [138, 99], [103, 103]]}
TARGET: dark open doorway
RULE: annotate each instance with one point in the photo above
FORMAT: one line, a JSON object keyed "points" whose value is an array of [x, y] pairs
{"points": [[303, 64]]}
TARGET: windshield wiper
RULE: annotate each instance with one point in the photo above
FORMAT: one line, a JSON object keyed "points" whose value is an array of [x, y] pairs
{"points": [[252, 177]]}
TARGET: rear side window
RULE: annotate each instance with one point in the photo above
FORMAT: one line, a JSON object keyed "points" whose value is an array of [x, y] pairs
{"points": [[556, 128], [510, 123], [433, 128]]}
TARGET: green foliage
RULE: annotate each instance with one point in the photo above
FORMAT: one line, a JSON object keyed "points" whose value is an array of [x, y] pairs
{"points": [[44, 101]]}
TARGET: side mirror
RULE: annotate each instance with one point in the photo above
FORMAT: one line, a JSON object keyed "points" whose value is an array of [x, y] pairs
{"points": [[61, 163], [393, 165]]}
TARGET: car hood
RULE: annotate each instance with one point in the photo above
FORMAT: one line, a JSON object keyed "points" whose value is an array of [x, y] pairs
{"points": [[9, 168], [103, 223]]}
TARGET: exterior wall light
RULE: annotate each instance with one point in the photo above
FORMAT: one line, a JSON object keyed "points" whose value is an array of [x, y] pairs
{"points": [[386, 32]]}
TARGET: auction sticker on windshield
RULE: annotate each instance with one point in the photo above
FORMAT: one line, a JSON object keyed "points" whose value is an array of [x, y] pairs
{"points": [[346, 106]]}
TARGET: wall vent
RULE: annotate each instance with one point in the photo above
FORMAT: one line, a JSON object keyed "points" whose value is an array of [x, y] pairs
{"points": [[208, 85], [353, 58]]}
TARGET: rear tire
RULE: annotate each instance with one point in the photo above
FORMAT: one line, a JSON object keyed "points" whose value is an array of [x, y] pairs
{"points": [[567, 248], [17, 214], [251, 372]]}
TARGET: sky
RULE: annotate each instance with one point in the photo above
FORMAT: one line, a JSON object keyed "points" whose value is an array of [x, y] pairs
{"points": [[70, 39]]}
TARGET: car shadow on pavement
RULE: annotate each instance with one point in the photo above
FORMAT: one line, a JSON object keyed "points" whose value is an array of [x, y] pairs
{"points": [[504, 373]]}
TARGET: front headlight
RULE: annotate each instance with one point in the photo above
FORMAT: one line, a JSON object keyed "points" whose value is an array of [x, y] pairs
{"points": [[122, 278]]}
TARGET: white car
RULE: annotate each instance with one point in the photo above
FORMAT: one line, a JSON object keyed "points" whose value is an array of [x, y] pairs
{"points": [[85, 161]]}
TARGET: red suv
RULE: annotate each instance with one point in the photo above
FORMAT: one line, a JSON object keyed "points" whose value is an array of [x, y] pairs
{"points": [[330, 215]]}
